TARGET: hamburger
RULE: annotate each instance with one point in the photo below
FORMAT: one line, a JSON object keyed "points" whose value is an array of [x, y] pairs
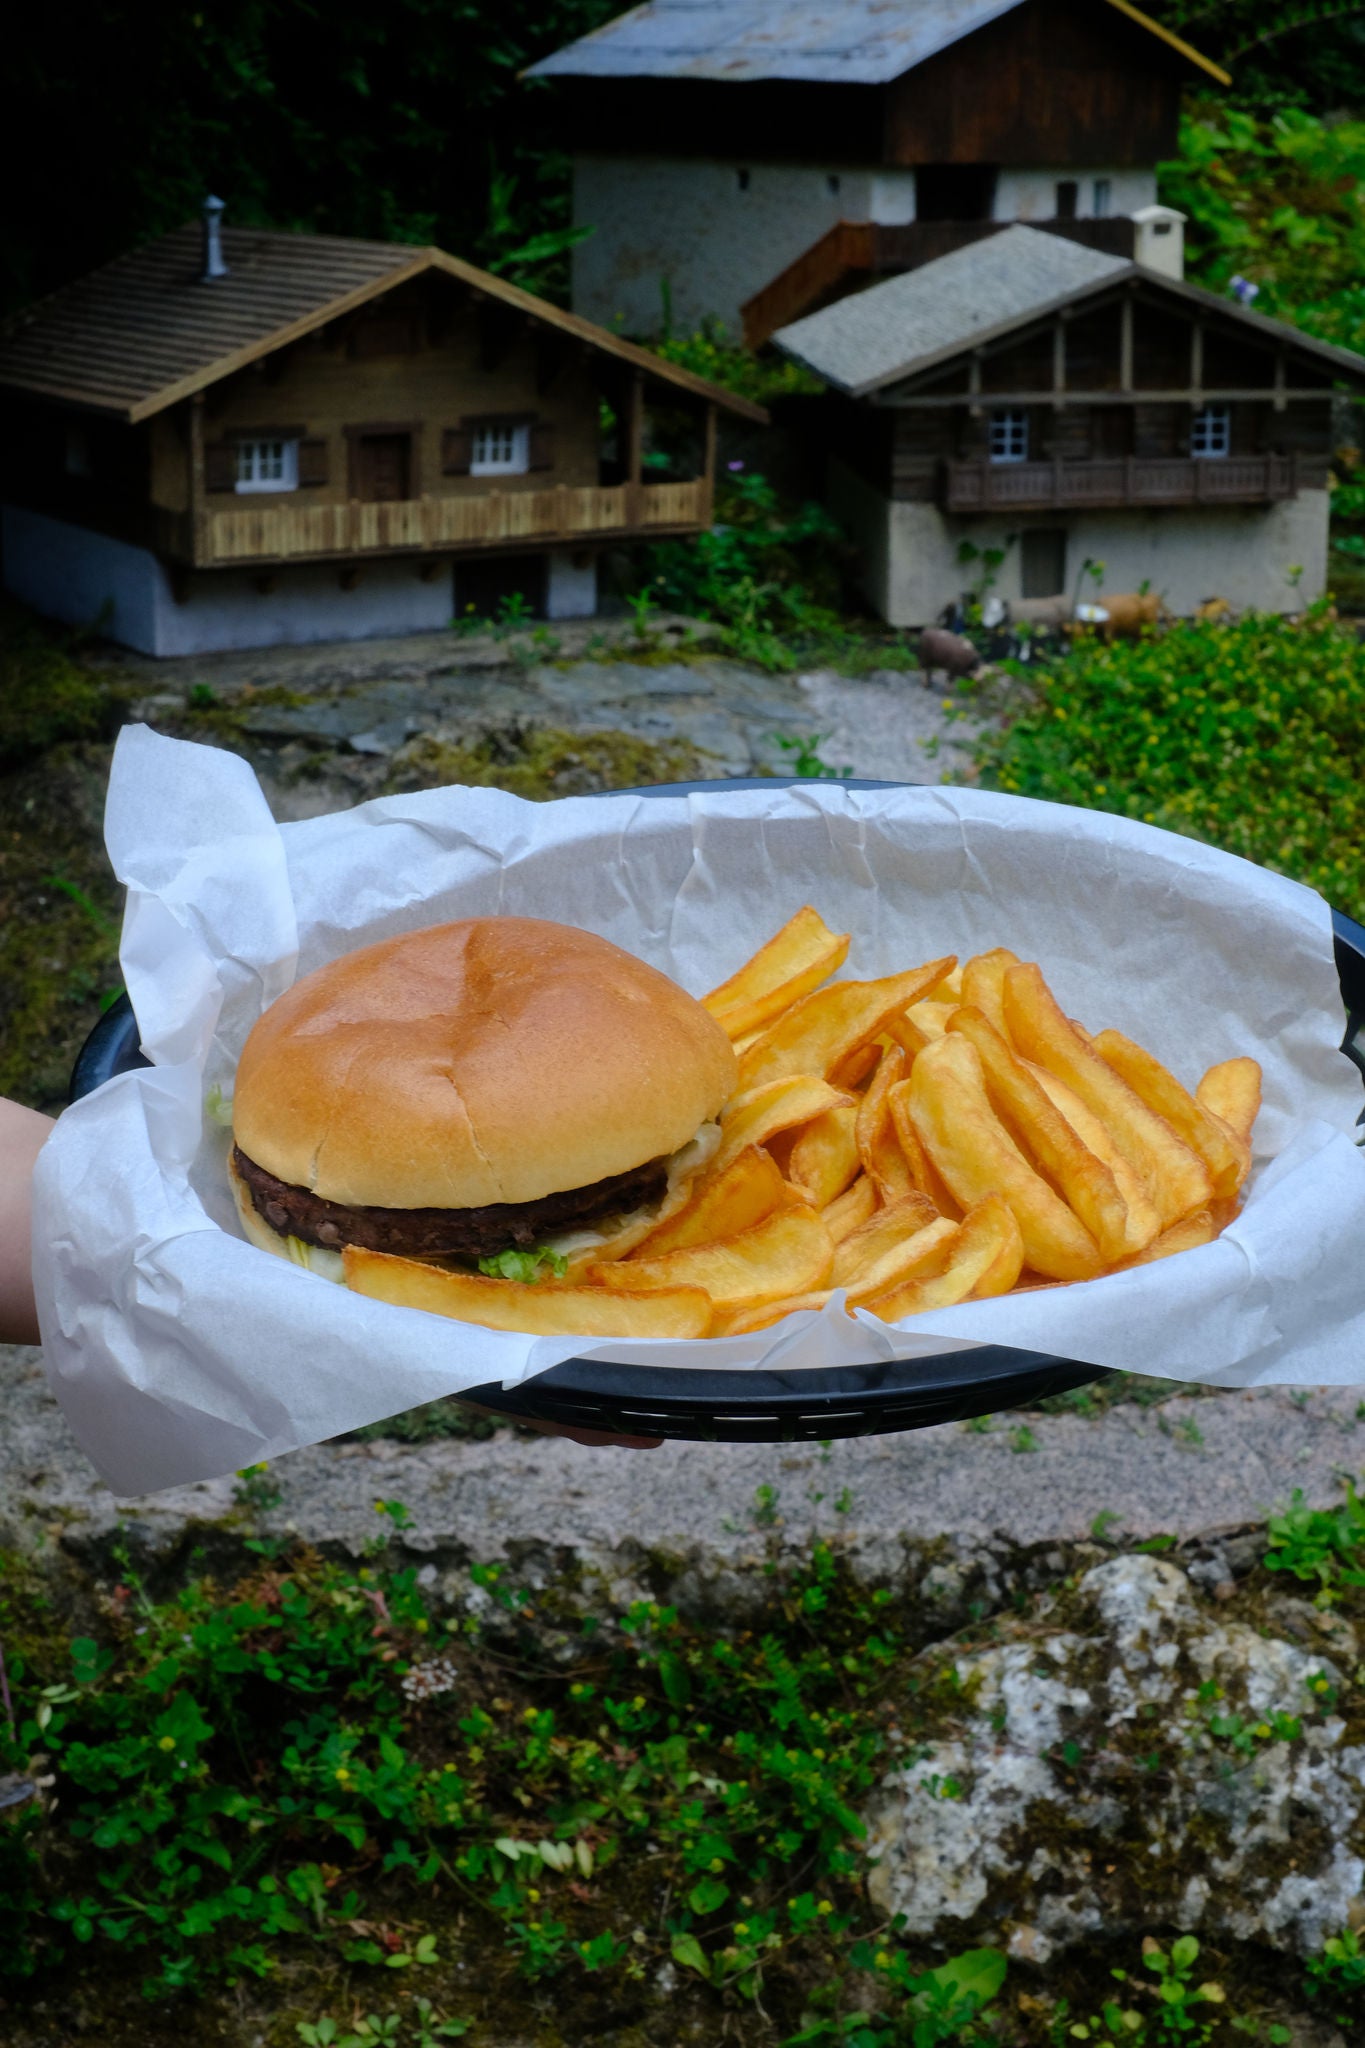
{"points": [[496, 1086]]}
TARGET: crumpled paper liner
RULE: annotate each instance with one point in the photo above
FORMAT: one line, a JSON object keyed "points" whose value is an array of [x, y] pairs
{"points": [[179, 1352]]}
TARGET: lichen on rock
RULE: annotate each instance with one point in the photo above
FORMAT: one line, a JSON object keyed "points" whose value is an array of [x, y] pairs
{"points": [[1145, 1762]]}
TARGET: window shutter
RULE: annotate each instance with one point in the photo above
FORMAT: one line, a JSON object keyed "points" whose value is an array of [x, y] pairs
{"points": [[542, 445], [457, 451], [220, 467], [312, 462]]}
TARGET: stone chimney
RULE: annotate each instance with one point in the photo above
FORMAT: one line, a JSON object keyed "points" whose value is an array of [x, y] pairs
{"points": [[214, 266], [1160, 241]]}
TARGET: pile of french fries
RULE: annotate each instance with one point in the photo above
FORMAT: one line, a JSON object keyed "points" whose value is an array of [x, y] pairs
{"points": [[927, 1138]]}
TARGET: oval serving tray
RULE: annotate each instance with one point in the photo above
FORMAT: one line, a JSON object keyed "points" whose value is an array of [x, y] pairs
{"points": [[706, 1404]]}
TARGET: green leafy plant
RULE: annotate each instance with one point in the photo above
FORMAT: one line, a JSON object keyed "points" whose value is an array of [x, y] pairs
{"points": [[807, 761], [765, 575], [1249, 736], [1326, 1546]]}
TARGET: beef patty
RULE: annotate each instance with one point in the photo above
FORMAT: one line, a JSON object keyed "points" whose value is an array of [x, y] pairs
{"points": [[441, 1233]]}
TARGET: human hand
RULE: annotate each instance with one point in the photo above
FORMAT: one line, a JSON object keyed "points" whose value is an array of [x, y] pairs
{"points": [[23, 1133]]}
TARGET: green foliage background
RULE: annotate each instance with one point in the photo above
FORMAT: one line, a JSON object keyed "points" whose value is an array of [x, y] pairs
{"points": [[404, 121]]}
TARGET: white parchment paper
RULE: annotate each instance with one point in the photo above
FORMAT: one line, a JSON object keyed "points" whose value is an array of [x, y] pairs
{"points": [[179, 1352]]}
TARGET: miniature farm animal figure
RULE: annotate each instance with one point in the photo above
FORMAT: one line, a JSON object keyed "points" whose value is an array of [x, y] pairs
{"points": [[950, 652], [1213, 611], [1129, 611], [1027, 611]]}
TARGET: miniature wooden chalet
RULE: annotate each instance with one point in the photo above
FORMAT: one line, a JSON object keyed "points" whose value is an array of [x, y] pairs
{"points": [[1064, 406], [718, 143], [233, 438]]}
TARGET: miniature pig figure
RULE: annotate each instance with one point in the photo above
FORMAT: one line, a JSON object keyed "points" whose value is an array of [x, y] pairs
{"points": [[951, 652]]}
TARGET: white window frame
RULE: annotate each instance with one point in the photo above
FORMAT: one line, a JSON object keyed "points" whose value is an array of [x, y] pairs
{"points": [[1211, 433], [267, 462], [500, 448], [1009, 434]]}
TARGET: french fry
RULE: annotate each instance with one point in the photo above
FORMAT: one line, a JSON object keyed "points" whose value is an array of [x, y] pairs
{"points": [[1184, 1236], [984, 1258], [824, 1160], [722, 1204], [853, 1069], [882, 1252], [745, 1321], [884, 1231], [853, 1208], [924, 1174], [795, 960], [1048, 1140], [824, 1028], [1143, 1221], [789, 1253], [949, 990], [753, 1118], [1177, 1179], [951, 1112], [875, 1134], [983, 984], [1231, 1091], [921, 1024], [539, 1308], [1227, 1158]]}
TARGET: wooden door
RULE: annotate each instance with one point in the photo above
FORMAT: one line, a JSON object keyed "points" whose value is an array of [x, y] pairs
{"points": [[383, 467]]}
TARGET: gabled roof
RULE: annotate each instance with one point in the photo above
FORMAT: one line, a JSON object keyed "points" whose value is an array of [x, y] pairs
{"points": [[850, 42], [981, 292], [144, 332]]}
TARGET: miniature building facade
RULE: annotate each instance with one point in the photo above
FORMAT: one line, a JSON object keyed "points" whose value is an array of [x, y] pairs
{"points": [[728, 137], [1032, 396], [324, 439]]}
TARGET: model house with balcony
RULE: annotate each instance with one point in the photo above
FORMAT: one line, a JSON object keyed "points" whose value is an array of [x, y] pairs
{"points": [[1028, 394], [232, 438], [718, 145]]}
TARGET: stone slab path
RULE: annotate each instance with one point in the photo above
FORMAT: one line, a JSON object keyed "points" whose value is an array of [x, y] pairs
{"points": [[1192, 1466], [360, 702]]}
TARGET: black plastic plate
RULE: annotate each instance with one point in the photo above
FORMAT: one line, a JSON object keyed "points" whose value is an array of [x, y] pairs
{"points": [[704, 1404]]}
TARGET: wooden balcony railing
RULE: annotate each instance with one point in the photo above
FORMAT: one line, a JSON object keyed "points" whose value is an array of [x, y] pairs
{"points": [[1131, 480], [564, 513]]}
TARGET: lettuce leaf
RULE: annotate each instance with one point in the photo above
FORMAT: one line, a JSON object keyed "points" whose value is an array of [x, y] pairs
{"points": [[527, 1266]]}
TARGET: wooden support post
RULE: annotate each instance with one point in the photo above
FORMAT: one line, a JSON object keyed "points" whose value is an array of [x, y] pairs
{"points": [[1280, 381], [1058, 362], [1126, 344], [199, 518], [634, 430], [974, 384], [1196, 362], [707, 494]]}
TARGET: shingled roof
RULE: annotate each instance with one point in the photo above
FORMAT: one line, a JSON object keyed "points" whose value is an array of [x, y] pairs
{"points": [[144, 331], [849, 42], [901, 328]]}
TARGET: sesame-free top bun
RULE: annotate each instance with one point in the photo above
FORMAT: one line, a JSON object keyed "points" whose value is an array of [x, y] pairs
{"points": [[500, 1059]]}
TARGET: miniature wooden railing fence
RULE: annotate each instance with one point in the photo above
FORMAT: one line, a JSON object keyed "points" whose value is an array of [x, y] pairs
{"points": [[1131, 480], [565, 513]]}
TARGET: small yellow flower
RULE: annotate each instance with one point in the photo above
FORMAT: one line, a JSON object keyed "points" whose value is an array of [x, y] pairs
{"points": [[166, 1742], [741, 1927], [824, 1906], [534, 1896], [422, 1627], [882, 1959], [341, 1774], [1263, 1729]]}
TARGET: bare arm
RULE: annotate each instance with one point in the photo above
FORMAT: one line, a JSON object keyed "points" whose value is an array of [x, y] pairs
{"points": [[22, 1134]]}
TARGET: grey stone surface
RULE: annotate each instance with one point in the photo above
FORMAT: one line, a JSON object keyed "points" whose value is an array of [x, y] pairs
{"points": [[1094, 1785], [1193, 1467]]}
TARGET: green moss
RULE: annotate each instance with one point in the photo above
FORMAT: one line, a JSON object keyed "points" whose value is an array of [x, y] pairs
{"points": [[59, 918], [541, 762], [45, 695]]}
